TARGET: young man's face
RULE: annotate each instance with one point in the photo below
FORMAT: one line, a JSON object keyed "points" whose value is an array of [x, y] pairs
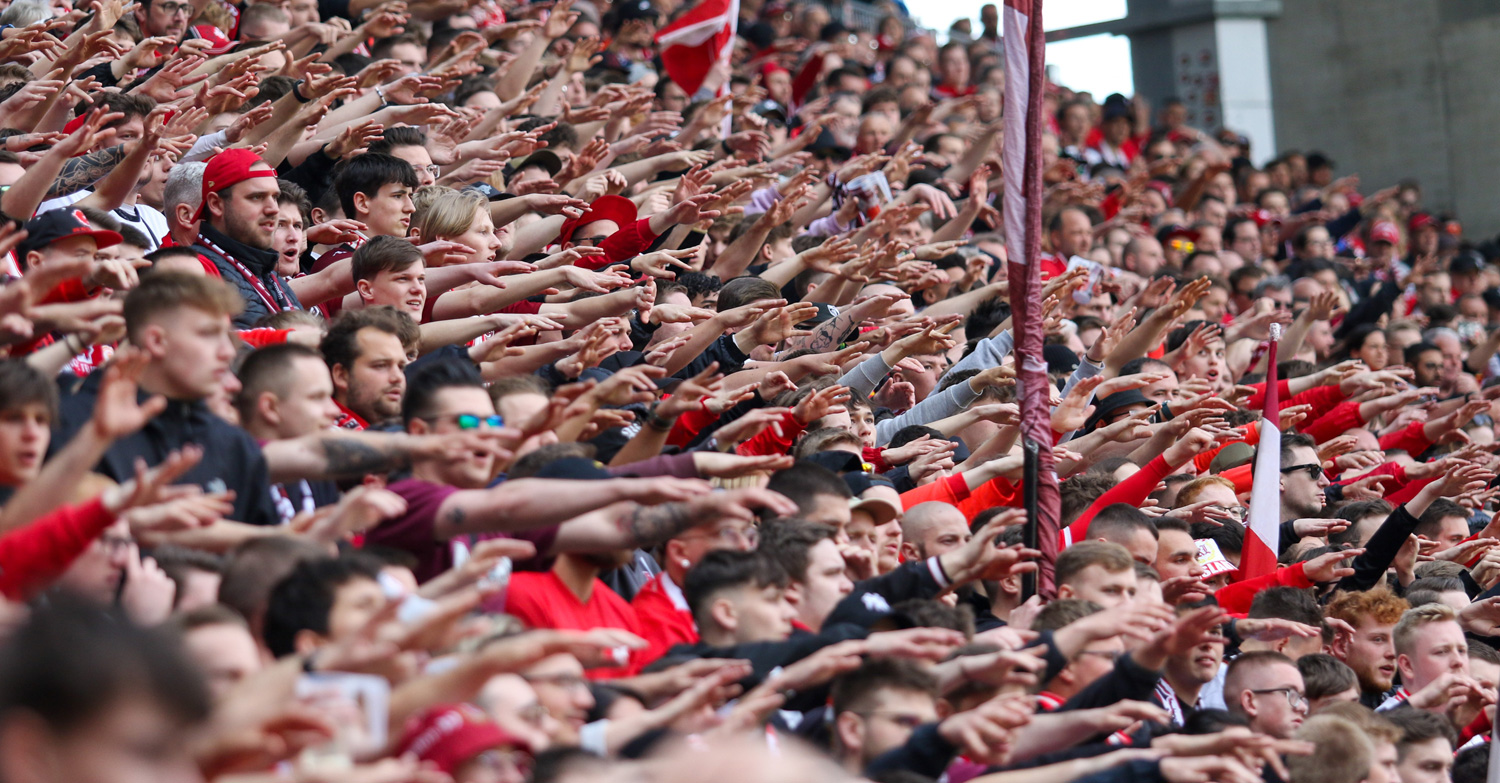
{"points": [[63, 251], [1372, 655], [95, 575], [1109, 589], [1428, 761], [288, 240], [475, 470], [250, 211], [403, 289], [303, 12], [226, 653], [355, 602], [420, 159], [308, 406], [1439, 648], [25, 432], [890, 720], [374, 386], [762, 614], [193, 350], [1451, 531], [1177, 555], [1268, 700], [1301, 493], [132, 740], [823, 586], [165, 18], [388, 212], [481, 236]]}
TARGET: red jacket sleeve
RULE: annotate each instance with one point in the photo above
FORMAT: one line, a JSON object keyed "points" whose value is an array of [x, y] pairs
{"points": [[1321, 398], [689, 425], [623, 245], [1412, 439], [1235, 598], [1133, 490], [260, 338], [34, 555], [992, 493], [951, 489], [1341, 417], [767, 442], [1258, 399]]}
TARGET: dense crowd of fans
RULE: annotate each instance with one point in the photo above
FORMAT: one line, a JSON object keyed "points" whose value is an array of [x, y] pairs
{"points": [[430, 390]]}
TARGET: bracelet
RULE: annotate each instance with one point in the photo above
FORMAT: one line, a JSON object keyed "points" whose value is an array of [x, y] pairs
{"points": [[658, 423], [379, 93], [297, 91]]}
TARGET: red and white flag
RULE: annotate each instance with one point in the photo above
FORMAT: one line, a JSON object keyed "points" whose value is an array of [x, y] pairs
{"points": [[1263, 528], [1025, 62], [691, 45]]}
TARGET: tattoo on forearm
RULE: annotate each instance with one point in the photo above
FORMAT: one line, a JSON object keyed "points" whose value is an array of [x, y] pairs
{"points": [[648, 526], [81, 172], [457, 516], [826, 336], [351, 457]]}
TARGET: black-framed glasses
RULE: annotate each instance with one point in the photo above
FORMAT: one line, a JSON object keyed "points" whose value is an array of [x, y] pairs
{"points": [[1294, 697], [1238, 512], [590, 241], [1313, 470]]}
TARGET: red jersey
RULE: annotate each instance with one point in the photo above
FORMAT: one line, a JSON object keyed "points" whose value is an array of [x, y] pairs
{"points": [[664, 616], [541, 600]]}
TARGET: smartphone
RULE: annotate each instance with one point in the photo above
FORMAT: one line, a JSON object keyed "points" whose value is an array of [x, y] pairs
{"points": [[494, 583], [357, 706]]}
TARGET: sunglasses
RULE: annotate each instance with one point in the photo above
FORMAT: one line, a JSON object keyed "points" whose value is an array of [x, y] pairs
{"points": [[1312, 470], [470, 421]]}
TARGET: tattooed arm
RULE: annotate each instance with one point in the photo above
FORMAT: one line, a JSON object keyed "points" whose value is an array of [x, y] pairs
{"points": [[344, 454], [81, 172], [597, 515]]}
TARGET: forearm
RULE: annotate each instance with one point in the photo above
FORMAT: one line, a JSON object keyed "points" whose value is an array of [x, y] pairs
{"points": [[741, 253], [1140, 340], [963, 304], [437, 334], [218, 537], [583, 312], [518, 75], [523, 504], [111, 191], [535, 236], [359, 108], [647, 443], [959, 225], [81, 172], [337, 454], [332, 282]]}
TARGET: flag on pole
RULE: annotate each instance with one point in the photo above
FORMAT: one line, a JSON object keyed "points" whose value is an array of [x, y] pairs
{"points": [[1263, 530], [691, 45], [1025, 61]]}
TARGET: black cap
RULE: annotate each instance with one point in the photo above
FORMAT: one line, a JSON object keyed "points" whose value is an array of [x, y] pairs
{"points": [[837, 461], [1115, 403], [770, 109], [826, 313], [635, 9], [1060, 359], [574, 468], [861, 481], [1468, 261], [58, 224], [826, 146]]}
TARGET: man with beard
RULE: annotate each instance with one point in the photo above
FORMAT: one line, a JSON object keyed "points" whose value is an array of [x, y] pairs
{"points": [[367, 351], [1370, 650], [238, 218]]}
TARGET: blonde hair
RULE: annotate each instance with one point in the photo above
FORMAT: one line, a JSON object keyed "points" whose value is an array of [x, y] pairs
{"points": [[1411, 622], [1190, 491], [1341, 753], [445, 213]]}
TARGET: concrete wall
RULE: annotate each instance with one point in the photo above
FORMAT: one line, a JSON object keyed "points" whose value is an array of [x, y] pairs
{"points": [[1394, 89]]}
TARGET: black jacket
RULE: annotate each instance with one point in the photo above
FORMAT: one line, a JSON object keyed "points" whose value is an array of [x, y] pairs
{"points": [[231, 458], [261, 263]]}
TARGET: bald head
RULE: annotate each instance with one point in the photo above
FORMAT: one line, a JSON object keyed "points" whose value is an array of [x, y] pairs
{"points": [[933, 528]]}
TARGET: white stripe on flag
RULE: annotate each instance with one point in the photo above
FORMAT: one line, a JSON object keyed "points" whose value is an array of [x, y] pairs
{"points": [[1017, 88]]}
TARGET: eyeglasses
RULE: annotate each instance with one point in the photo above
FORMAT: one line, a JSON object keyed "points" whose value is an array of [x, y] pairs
{"points": [[1313, 470], [115, 543], [731, 536], [590, 241], [1294, 697], [1238, 512], [905, 720], [504, 761], [470, 421], [433, 169], [172, 9]]}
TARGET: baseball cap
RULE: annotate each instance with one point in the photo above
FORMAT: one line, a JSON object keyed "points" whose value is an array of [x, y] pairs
{"points": [[451, 734], [1060, 358], [636, 9], [1115, 106], [219, 43], [770, 109], [880, 509], [837, 461], [1420, 220], [1385, 231], [230, 167], [1211, 559], [1115, 403], [58, 224], [617, 209], [826, 313], [1467, 262], [574, 468], [1231, 456]]}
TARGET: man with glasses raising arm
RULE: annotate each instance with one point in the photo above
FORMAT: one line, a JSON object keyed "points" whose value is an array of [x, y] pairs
{"points": [[1266, 688]]}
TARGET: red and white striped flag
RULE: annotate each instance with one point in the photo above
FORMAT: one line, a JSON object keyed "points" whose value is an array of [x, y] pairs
{"points": [[696, 40], [1263, 528], [1025, 62]]}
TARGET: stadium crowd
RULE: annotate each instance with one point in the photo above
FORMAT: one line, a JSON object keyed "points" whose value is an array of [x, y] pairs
{"points": [[436, 390]]}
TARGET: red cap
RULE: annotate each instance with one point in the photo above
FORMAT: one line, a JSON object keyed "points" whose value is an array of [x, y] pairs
{"points": [[617, 209], [768, 68], [1385, 231], [219, 43], [230, 167], [451, 734], [1163, 188], [1420, 220]]}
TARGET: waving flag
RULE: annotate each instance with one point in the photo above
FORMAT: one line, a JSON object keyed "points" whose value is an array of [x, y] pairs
{"points": [[1025, 60], [1263, 533], [699, 38]]}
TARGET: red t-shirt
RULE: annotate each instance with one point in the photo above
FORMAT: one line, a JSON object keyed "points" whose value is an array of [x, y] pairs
{"points": [[663, 625], [415, 532], [541, 600]]}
